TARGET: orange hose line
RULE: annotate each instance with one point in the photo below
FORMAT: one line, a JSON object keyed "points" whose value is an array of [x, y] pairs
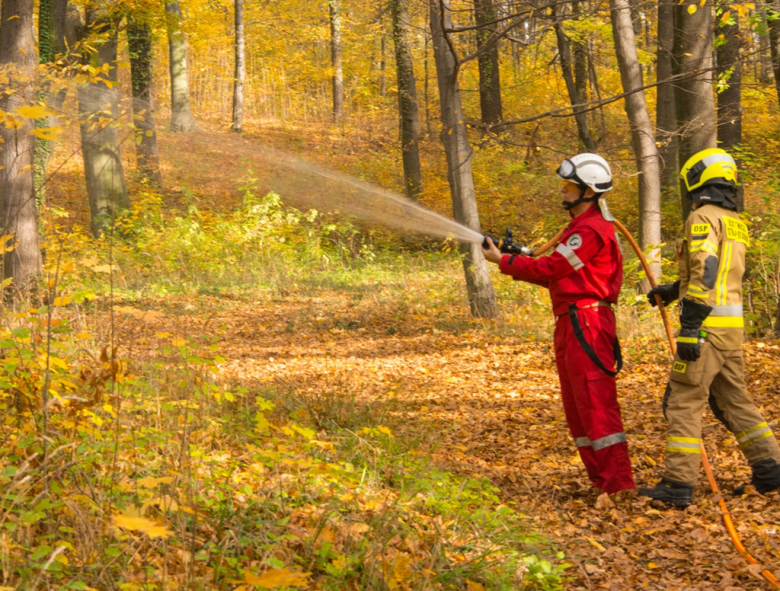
{"points": [[553, 241], [724, 510]]}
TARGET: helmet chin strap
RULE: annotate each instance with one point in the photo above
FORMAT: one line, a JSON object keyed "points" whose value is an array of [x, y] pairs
{"points": [[568, 205]]}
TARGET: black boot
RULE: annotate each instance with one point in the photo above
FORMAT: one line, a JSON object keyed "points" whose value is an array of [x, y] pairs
{"points": [[671, 492], [766, 477]]}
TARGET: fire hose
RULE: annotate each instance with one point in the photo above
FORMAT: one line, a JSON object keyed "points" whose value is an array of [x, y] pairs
{"points": [[724, 510]]}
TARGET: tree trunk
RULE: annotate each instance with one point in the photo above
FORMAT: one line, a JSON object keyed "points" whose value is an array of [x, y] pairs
{"points": [[482, 298], [334, 7], [139, 40], [564, 54], [730, 98], [665, 123], [694, 103], [100, 146], [774, 46], [181, 114], [765, 54], [407, 101], [643, 139], [580, 53], [17, 199], [240, 72], [489, 75]]}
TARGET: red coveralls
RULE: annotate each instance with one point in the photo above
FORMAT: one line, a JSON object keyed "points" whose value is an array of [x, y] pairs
{"points": [[586, 270]]}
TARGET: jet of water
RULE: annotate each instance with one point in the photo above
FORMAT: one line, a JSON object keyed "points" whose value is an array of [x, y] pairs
{"points": [[347, 194]]}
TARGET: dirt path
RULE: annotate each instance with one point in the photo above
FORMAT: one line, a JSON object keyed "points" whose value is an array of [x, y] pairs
{"points": [[497, 413]]}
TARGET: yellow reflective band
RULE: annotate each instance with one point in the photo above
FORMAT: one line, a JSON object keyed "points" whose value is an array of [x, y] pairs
{"points": [[683, 450], [752, 440], [683, 440], [687, 340], [697, 291], [741, 434], [706, 245], [724, 322], [723, 273], [679, 366]]}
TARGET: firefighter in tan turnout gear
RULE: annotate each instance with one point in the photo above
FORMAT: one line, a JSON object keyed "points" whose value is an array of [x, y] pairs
{"points": [[709, 361]]}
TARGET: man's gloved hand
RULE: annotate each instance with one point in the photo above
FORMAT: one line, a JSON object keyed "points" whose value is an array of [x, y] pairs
{"points": [[690, 338], [668, 293], [689, 343]]}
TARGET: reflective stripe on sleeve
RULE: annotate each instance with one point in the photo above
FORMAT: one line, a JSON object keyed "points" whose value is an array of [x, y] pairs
{"points": [[609, 440], [705, 245], [582, 442], [687, 340], [748, 437], [569, 255], [698, 292], [683, 445]]}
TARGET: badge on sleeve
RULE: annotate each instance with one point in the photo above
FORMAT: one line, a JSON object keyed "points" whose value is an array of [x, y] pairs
{"points": [[574, 241]]}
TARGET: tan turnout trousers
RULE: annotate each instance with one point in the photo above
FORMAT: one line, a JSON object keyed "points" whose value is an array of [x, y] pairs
{"points": [[712, 264], [720, 373]]}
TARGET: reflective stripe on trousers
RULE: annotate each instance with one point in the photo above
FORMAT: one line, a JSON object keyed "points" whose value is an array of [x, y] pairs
{"points": [[602, 442], [748, 437]]}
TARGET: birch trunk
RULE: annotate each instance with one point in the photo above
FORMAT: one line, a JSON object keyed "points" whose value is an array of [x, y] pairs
{"points": [[240, 70], [181, 113], [642, 137], [482, 298], [17, 199], [334, 7]]}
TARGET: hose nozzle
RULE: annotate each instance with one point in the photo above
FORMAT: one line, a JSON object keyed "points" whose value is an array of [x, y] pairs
{"points": [[506, 245]]}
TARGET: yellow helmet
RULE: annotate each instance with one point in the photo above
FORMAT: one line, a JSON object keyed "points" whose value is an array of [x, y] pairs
{"points": [[709, 167]]}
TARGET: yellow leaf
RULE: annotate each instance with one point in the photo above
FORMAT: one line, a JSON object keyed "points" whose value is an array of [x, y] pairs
{"points": [[84, 335], [596, 545], [385, 430], [132, 522], [340, 562], [725, 18], [67, 267], [163, 335], [702, 3], [46, 133], [692, 8], [104, 268], [474, 586], [178, 342], [397, 571], [652, 565], [150, 482], [277, 577], [32, 111], [62, 301]]}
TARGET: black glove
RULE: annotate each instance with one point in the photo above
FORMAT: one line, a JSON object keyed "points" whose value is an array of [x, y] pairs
{"points": [[690, 338], [669, 293]]}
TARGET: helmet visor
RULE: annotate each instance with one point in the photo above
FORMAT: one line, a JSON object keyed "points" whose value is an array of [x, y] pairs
{"points": [[567, 171]]}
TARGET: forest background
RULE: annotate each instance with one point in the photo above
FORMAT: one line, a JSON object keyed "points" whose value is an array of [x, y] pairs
{"points": [[214, 377]]}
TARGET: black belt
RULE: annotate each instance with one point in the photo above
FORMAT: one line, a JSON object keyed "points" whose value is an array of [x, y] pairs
{"points": [[575, 324]]}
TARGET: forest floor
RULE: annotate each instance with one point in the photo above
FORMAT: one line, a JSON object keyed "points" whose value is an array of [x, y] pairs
{"points": [[483, 399], [494, 407], [490, 406]]}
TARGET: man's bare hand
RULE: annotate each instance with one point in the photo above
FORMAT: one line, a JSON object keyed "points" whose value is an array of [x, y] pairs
{"points": [[492, 253]]}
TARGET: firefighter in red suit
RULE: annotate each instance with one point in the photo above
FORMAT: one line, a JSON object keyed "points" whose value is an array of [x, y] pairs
{"points": [[584, 275]]}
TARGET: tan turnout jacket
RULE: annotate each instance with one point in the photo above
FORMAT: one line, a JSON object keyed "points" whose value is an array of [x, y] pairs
{"points": [[712, 263]]}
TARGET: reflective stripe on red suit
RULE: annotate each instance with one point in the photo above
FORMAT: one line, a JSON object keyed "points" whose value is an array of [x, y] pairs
{"points": [[585, 268]]}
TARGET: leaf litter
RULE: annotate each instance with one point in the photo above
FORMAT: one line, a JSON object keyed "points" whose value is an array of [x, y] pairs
{"points": [[489, 406]]}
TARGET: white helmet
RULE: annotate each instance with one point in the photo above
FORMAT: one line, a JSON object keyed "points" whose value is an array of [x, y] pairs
{"points": [[587, 170]]}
